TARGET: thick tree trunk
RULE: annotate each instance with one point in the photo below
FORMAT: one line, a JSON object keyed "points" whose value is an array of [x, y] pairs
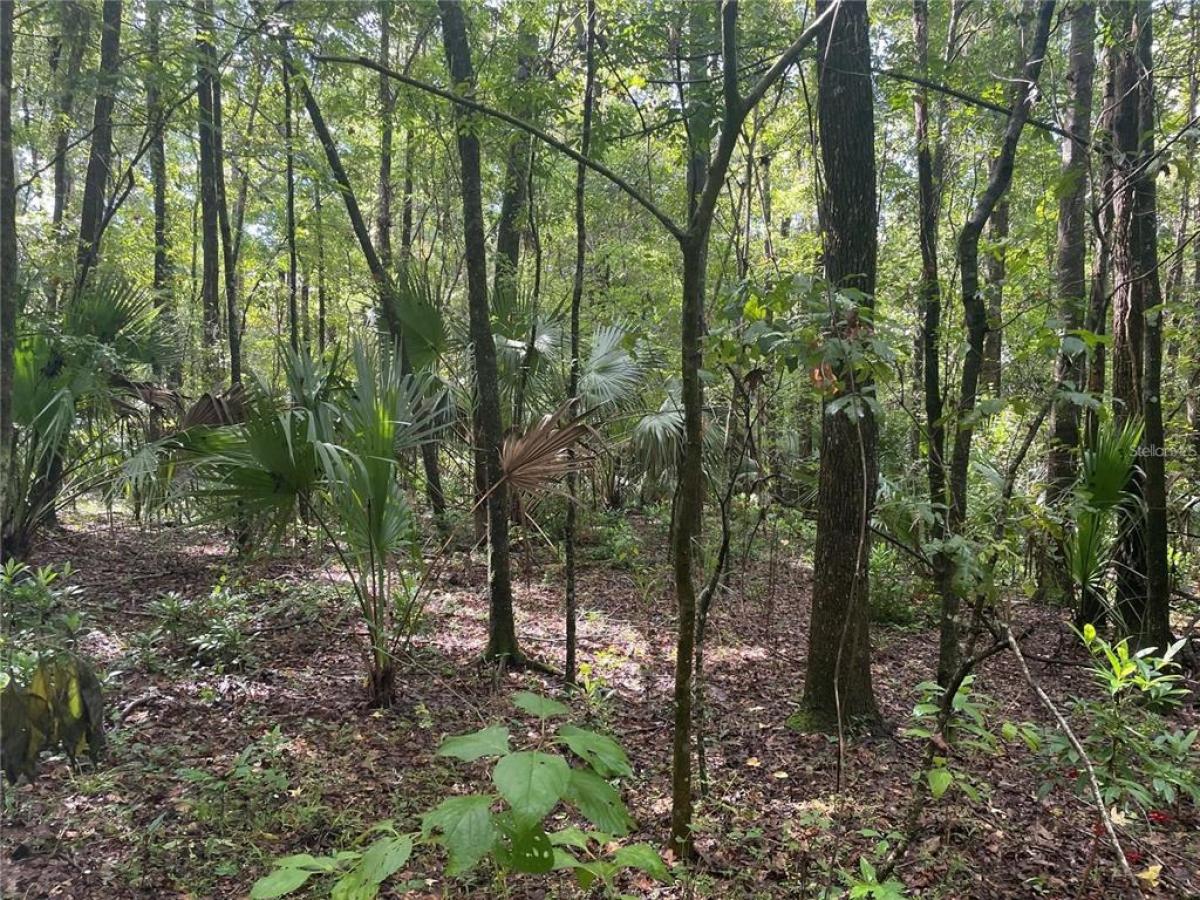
{"points": [[95, 186], [585, 143], [502, 633], [837, 687]]}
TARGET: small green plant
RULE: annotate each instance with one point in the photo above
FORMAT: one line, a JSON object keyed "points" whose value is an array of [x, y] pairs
{"points": [[1138, 763], [619, 543], [568, 765], [255, 772]]}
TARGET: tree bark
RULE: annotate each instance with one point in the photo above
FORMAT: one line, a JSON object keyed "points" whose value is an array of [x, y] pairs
{"points": [[502, 632], [74, 36], [585, 143], [8, 273], [837, 687], [290, 178], [209, 234], [158, 174], [387, 107], [322, 325], [995, 271], [1071, 253], [100, 157]]}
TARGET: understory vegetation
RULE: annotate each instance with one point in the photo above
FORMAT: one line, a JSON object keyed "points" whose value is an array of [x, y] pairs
{"points": [[599, 449]]}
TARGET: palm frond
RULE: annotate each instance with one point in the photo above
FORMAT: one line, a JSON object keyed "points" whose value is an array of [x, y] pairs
{"points": [[532, 460], [611, 374]]}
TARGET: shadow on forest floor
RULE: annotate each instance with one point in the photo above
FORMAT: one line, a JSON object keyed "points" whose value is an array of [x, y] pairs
{"points": [[172, 813]]}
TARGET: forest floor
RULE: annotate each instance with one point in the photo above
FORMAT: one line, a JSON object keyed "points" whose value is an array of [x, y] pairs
{"points": [[213, 770]]}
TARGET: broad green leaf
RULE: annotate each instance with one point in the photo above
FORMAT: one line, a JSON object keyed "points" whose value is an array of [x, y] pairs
{"points": [[306, 861], [491, 741], [279, 883], [569, 837], [537, 705], [599, 802], [468, 832], [602, 753], [532, 782], [939, 781], [645, 858]]}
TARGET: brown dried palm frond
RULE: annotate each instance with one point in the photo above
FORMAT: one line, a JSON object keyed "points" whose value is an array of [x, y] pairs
{"points": [[541, 455], [226, 408]]}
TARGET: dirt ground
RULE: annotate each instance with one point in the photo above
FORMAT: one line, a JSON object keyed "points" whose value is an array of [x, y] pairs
{"points": [[214, 770]]}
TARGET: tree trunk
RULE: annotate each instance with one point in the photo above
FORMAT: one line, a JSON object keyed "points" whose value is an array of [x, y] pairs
{"points": [[95, 186], [290, 176], [995, 271], [585, 143], [8, 276], [387, 107], [74, 35], [1071, 254], [837, 687], [502, 632], [322, 325], [975, 313], [158, 175], [209, 239]]}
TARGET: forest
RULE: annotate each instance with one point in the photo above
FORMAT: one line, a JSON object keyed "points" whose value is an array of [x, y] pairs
{"points": [[599, 448]]}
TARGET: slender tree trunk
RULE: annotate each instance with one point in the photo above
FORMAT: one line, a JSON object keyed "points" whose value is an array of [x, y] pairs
{"points": [[290, 176], [95, 186], [75, 33], [975, 310], [837, 687], [322, 325], [228, 245], [995, 271], [158, 175], [8, 278], [585, 143], [209, 229], [406, 214], [502, 632], [1071, 262], [387, 107]]}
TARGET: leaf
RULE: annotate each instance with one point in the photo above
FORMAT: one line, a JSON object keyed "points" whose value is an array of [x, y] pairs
{"points": [[532, 782], [940, 780], [599, 802], [384, 857], [491, 741], [1150, 874], [537, 705], [532, 852], [602, 753], [645, 858], [279, 883], [468, 832], [306, 861]]}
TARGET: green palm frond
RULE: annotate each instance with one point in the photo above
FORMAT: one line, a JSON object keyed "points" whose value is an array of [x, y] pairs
{"points": [[610, 374], [116, 314]]}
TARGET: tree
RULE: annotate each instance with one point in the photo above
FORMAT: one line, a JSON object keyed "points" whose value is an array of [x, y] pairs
{"points": [[8, 264], [209, 197], [502, 630], [1071, 253], [837, 686], [158, 165], [95, 187]]}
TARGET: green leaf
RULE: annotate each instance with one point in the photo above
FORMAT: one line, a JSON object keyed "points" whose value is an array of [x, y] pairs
{"points": [[532, 852], [645, 858], [569, 837], [532, 782], [468, 832], [537, 705], [279, 883], [602, 753], [306, 861], [599, 802], [491, 741], [384, 857], [939, 781]]}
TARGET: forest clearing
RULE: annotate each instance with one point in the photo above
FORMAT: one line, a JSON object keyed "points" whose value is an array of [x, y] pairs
{"points": [[599, 448]]}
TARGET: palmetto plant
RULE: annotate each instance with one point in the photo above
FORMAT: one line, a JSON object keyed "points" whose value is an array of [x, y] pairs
{"points": [[85, 363], [1100, 491], [331, 452]]}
